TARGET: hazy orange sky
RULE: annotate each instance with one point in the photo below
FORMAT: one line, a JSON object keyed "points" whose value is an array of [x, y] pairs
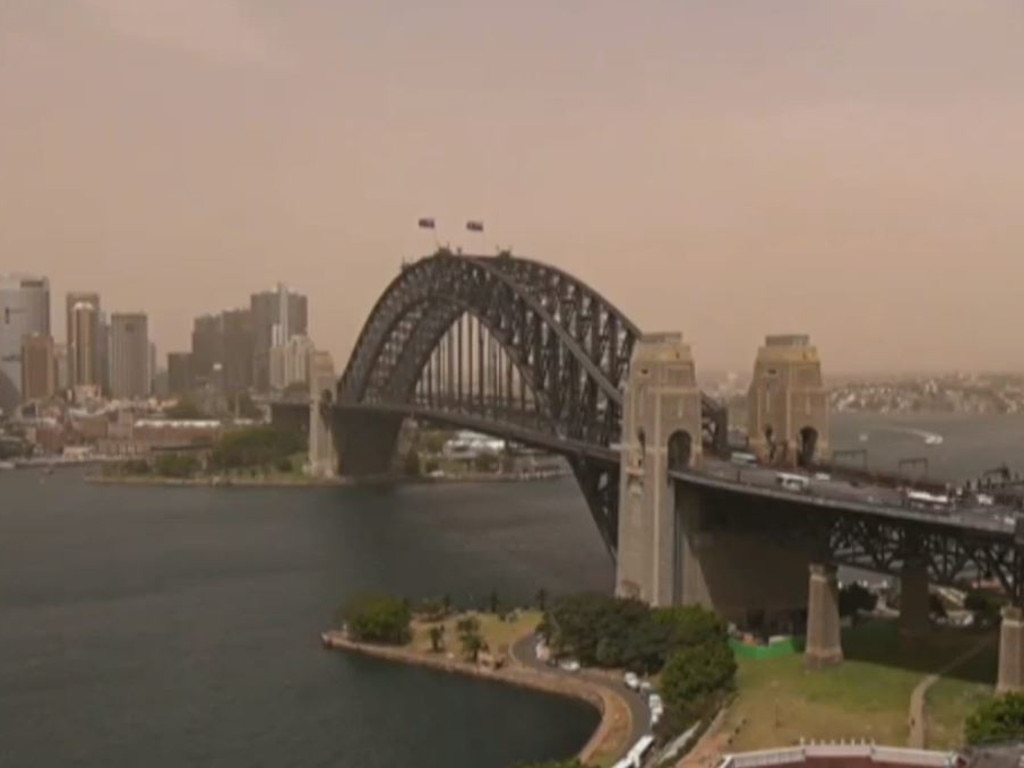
{"points": [[853, 169]]}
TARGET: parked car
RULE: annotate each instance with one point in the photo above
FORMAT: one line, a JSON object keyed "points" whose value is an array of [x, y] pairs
{"points": [[570, 665], [632, 681]]}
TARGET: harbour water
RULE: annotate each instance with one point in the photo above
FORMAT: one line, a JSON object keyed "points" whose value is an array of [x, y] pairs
{"points": [[179, 626]]}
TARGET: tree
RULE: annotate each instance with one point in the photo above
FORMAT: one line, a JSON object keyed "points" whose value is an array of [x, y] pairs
{"points": [[470, 638], [541, 598], [854, 599], [694, 676], [176, 465], [935, 606], [437, 638], [997, 720], [984, 605], [378, 619], [185, 409]]}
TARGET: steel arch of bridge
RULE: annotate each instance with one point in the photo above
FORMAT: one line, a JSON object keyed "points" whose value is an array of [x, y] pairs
{"points": [[568, 344]]}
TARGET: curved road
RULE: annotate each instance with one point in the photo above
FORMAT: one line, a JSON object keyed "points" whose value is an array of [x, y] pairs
{"points": [[640, 715]]}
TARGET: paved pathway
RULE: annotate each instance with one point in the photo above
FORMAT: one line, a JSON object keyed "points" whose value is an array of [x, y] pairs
{"points": [[917, 737], [523, 651]]}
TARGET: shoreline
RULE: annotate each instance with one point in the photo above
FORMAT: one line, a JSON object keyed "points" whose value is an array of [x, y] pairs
{"points": [[303, 481], [514, 673]]}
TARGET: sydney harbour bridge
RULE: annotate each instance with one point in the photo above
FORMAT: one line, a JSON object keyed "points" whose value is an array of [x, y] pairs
{"points": [[521, 350]]}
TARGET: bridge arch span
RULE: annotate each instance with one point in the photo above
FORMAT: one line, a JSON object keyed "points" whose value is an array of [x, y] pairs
{"points": [[564, 345]]}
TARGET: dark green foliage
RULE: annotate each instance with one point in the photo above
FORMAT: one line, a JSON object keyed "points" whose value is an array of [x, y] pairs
{"points": [[262, 446], [486, 462], [997, 720], [185, 409], [541, 598], [378, 619], [984, 605], [176, 465], [437, 638], [854, 598], [470, 638], [695, 676]]}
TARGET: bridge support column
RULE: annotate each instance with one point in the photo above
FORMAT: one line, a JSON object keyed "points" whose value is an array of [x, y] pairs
{"points": [[661, 428], [824, 645], [323, 459], [915, 601], [1011, 651], [365, 442], [787, 408]]}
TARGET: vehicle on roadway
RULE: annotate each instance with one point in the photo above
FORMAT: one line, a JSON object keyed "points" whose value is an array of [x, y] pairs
{"points": [[570, 665], [792, 482], [632, 681]]}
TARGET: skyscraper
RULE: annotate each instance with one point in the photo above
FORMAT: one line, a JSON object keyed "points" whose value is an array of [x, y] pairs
{"points": [[85, 356], [222, 350], [129, 355], [277, 315], [38, 368], [24, 311], [180, 380]]}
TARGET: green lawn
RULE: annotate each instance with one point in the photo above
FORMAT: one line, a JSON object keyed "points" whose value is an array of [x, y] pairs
{"points": [[868, 696], [952, 699]]}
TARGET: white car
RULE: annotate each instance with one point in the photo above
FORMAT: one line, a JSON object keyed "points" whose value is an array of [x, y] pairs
{"points": [[646, 687], [632, 681], [654, 701], [570, 665]]}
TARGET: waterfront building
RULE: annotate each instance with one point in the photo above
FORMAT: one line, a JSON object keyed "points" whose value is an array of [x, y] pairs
{"points": [[38, 368], [207, 347], [129, 355], [277, 315], [84, 340], [290, 362], [24, 311]]}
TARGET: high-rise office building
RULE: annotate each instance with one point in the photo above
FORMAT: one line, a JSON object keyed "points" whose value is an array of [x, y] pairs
{"points": [[24, 311], [179, 373], [207, 347], [222, 350], [85, 340], [60, 353], [290, 363], [277, 315], [129, 355], [237, 359], [38, 368]]}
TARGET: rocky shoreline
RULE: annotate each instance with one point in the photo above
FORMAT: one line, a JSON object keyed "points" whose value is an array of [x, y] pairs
{"points": [[515, 673]]}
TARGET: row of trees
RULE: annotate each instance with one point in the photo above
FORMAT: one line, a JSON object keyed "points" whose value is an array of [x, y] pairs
{"points": [[689, 646], [378, 619], [997, 720], [263, 447]]}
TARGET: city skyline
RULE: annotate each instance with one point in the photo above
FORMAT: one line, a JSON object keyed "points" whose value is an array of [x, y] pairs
{"points": [[721, 169]]}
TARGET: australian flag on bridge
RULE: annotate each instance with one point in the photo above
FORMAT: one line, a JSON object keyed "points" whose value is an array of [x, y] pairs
{"points": [[475, 226], [426, 224]]}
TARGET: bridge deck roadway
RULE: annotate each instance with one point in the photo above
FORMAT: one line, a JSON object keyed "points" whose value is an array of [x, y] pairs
{"points": [[838, 495]]}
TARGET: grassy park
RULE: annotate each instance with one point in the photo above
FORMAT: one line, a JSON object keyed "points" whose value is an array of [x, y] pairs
{"points": [[497, 633], [778, 702]]}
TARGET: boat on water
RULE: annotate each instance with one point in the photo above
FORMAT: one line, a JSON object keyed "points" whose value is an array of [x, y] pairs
{"points": [[933, 440]]}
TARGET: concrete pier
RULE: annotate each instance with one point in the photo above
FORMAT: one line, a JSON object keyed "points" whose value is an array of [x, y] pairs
{"points": [[915, 601], [1011, 651], [661, 430], [824, 644]]}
